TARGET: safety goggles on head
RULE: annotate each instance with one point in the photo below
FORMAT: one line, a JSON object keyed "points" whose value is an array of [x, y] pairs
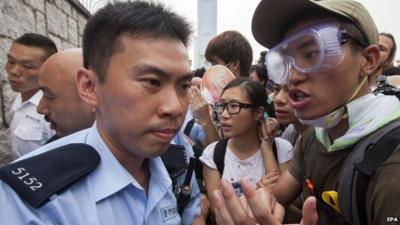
{"points": [[316, 48]]}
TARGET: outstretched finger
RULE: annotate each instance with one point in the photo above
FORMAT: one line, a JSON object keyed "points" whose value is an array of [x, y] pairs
{"points": [[222, 215], [310, 215], [262, 204], [234, 205]]}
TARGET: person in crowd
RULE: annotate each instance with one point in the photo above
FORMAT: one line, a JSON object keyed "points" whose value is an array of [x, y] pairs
{"points": [[231, 49], [258, 72], [285, 114], [261, 62], [249, 145], [329, 92], [286, 117], [28, 129], [387, 50], [61, 104], [137, 82]]}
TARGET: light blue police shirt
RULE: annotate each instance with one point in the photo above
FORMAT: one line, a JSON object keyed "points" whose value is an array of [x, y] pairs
{"points": [[109, 195], [197, 133]]}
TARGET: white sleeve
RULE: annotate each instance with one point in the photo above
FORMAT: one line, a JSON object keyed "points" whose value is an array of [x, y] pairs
{"points": [[284, 150], [207, 157]]}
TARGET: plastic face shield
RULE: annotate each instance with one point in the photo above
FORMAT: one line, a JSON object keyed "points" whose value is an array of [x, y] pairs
{"points": [[316, 48]]}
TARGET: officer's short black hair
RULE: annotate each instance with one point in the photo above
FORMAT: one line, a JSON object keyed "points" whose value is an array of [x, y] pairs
{"points": [[38, 41], [138, 18]]}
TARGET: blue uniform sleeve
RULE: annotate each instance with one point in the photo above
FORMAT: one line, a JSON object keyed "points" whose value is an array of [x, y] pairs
{"points": [[13, 211], [197, 133]]}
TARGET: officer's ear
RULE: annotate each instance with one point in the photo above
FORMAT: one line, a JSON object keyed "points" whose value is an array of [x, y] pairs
{"points": [[86, 81], [370, 59]]}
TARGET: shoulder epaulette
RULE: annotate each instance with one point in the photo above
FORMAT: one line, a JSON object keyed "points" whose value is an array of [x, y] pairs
{"points": [[36, 178]]}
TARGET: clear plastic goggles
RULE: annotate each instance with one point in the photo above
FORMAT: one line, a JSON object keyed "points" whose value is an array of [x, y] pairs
{"points": [[316, 48]]}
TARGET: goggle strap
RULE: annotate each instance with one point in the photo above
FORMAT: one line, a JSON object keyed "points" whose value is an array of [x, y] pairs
{"points": [[357, 89]]}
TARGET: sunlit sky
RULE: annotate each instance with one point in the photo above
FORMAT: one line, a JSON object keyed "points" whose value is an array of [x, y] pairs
{"points": [[237, 15]]}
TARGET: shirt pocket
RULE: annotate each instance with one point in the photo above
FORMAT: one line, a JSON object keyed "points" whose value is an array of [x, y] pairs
{"points": [[29, 130]]}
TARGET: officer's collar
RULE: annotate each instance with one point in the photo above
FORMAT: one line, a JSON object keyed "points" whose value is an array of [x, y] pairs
{"points": [[35, 99], [111, 177]]}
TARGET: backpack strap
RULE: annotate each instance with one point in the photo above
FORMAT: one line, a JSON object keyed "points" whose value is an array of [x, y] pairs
{"points": [[186, 188], [219, 155], [220, 151], [358, 168], [37, 178], [275, 150], [189, 126], [175, 160]]}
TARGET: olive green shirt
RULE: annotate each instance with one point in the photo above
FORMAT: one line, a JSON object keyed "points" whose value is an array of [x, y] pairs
{"points": [[311, 159]]}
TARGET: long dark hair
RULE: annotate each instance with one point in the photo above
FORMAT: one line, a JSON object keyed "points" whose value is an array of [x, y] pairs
{"points": [[253, 89]]}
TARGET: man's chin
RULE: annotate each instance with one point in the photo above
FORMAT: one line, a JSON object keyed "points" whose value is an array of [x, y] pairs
{"points": [[156, 150]]}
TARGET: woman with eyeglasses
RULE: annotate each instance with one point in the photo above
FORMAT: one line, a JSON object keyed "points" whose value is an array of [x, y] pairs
{"points": [[249, 146]]}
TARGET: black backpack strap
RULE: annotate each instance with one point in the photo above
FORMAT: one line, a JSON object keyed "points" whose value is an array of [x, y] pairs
{"points": [[186, 187], [375, 156], [358, 168], [37, 178], [189, 127], [275, 150], [219, 155], [175, 160], [220, 151], [198, 169]]}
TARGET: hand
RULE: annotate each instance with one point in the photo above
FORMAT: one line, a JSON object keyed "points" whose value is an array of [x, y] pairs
{"points": [[310, 215], [272, 126], [205, 205], [268, 129], [269, 179], [200, 108], [229, 209]]}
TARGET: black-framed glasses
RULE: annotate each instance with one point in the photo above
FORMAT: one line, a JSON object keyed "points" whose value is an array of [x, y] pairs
{"points": [[232, 107]]}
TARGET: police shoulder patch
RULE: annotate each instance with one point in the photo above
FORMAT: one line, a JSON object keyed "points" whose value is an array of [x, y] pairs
{"points": [[36, 178]]}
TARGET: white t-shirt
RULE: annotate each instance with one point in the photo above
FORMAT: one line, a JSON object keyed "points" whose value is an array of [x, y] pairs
{"points": [[28, 129], [251, 168]]}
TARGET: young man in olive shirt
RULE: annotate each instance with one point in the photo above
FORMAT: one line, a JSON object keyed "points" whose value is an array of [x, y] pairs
{"points": [[324, 51]]}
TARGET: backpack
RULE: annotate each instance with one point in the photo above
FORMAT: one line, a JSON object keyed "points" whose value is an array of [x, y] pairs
{"points": [[358, 168], [220, 151], [175, 161]]}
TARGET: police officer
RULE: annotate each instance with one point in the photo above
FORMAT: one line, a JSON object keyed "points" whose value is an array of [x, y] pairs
{"points": [[28, 129], [61, 104], [136, 77]]}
